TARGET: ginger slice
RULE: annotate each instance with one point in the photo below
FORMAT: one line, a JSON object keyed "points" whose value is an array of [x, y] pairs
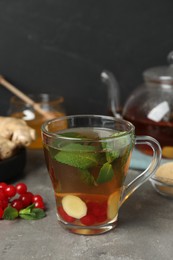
{"points": [[113, 205], [17, 131], [74, 206]]}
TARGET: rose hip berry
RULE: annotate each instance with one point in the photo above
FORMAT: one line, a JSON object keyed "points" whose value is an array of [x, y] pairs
{"points": [[4, 203], [88, 220], [101, 218], [2, 195], [96, 213], [36, 198], [30, 194], [1, 213], [17, 204], [3, 185], [39, 204], [97, 209], [10, 191], [26, 199], [21, 188]]}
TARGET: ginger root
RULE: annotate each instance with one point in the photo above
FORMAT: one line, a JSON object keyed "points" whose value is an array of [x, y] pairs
{"points": [[14, 133], [6, 148]]}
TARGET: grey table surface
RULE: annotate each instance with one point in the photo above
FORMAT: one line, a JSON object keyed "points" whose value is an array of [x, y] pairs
{"points": [[144, 231]]}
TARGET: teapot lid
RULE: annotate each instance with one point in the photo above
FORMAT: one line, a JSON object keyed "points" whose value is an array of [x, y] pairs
{"points": [[162, 74]]}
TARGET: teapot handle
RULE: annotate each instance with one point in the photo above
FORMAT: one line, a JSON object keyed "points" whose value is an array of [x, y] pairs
{"points": [[170, 58], [149, 171]]}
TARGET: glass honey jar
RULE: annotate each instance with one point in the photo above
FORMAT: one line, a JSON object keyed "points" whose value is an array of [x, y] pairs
{"points": [[48, 102]]}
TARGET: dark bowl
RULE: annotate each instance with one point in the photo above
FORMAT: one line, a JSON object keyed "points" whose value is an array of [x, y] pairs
{"points": [[13, 167]]}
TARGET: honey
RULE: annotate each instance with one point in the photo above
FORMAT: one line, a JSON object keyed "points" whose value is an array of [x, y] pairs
{"points": [[36, 123]]}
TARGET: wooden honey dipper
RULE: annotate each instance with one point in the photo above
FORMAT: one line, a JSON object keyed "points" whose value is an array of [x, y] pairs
{"points": [[25, 98]]}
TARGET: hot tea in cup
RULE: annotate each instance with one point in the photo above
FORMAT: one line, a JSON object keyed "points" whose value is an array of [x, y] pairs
{"points": [[88, 157]]}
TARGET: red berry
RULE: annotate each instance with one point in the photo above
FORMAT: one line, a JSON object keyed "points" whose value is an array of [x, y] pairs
{"points": [[65, 216], [17, 204], [10, 191], [88, 220], [26, 199], [2, 195], [30, 194], [36, 198], [4, 203], [1, 213], [101, 218], [39, 204], [103, 209], [3, 185], [21, 188], [97, 209], [90, 206]]}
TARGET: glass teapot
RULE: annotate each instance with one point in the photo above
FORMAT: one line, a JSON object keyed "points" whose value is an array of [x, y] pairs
{"points": [[150, 106]]}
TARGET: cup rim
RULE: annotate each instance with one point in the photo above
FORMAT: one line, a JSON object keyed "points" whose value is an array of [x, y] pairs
{"points": [[56, 135]]}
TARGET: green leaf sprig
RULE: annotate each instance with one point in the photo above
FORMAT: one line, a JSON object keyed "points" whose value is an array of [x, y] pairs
{"points": [[10, 213], [29, 213], [78, 155], [85, 157], [106, 173]]}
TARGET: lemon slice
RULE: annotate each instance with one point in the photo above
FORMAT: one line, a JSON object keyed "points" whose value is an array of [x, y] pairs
{"points": [[74, 206], [113, 204]]}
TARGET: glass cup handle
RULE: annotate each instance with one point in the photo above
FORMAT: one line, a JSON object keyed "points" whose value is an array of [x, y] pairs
{"points": [[149, 171]]}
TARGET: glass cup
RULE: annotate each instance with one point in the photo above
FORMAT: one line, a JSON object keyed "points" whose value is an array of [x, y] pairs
{"points": [[48, 102], [88, 157]]}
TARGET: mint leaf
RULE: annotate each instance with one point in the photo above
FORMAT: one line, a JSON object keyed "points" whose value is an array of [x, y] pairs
{"points": [[27, 210], [10, 213], [77, 155], [125, 156], [113, 148], [30, 216], [60, 143], [122, 141], [87, 177], [111, 156], [126, 152], [40, 213], [34, 215], [106, 173], [74, 147], [111, 153], [31, 213]]}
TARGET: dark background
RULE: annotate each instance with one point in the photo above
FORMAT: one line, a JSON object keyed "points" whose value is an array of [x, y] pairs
{"points": [[62, 47]]}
